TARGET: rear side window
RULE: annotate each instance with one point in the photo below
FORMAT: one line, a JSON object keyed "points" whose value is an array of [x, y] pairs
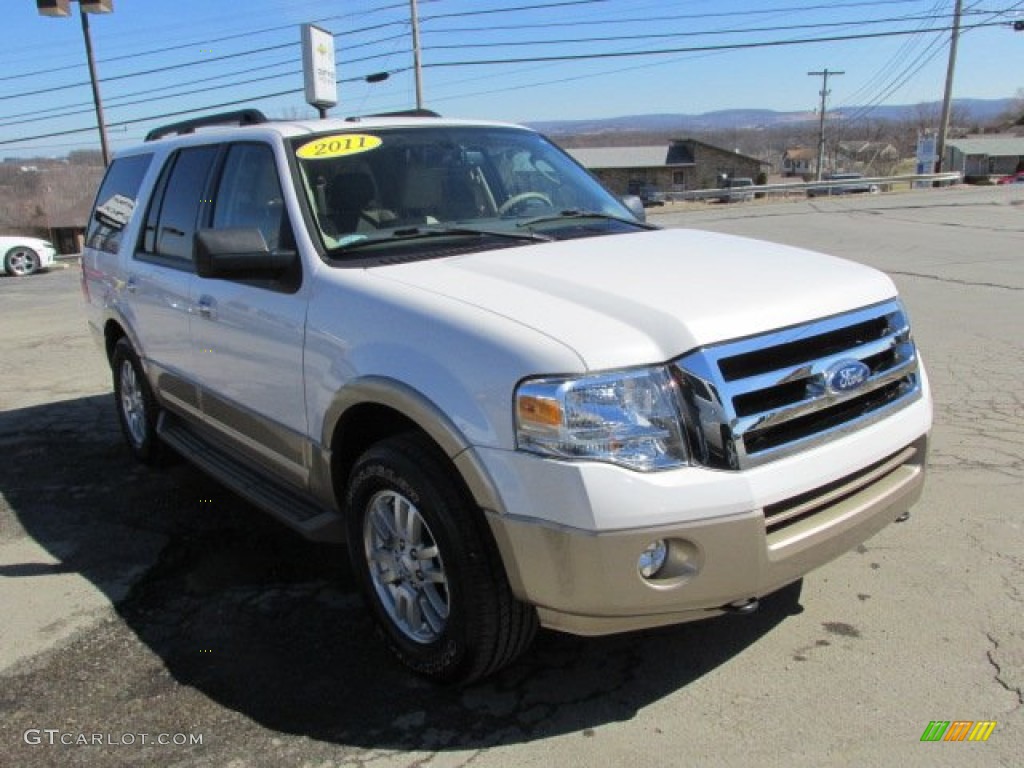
{"points": [[115, 202], [173, 214]]}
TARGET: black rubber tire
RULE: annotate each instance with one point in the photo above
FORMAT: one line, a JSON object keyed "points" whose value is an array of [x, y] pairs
{"points": [[487, 627], [143, 441]]}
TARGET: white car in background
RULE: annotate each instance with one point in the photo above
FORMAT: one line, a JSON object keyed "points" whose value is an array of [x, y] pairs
{"points": [[25, 255]]}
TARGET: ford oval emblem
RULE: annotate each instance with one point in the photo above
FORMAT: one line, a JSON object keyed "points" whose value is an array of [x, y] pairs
{"points": [[846, 376]]}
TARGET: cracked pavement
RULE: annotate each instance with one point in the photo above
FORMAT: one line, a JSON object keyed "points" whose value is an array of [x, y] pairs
{"points": [[141, 601]]}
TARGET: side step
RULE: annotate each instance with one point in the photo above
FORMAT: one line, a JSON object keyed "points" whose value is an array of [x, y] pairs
{"points": [[292, 509]]}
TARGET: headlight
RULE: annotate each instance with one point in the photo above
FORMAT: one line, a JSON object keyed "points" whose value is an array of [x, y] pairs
{"points": [[630, 418]]}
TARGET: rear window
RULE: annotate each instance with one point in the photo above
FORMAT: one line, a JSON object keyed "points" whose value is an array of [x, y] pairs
{"points": [[115, 202]]}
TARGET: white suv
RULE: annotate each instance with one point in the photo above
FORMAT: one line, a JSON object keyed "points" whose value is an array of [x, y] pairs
{"points": [[445, 342]]}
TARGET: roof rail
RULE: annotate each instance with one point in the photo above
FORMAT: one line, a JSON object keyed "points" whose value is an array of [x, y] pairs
{"points": [[400, 113], [238, 117]]}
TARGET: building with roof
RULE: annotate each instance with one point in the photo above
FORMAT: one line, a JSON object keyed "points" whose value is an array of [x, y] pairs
{"points": [[683, 164], [799, 161], [985, 156]]}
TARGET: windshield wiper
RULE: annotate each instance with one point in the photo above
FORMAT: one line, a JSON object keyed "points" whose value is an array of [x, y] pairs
{"points": [[417, 233], [575, 213]]}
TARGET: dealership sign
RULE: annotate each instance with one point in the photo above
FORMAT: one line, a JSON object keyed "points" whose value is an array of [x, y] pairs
{"points": [[318, 66]]}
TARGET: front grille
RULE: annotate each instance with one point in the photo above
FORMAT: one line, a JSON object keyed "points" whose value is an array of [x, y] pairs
{"points": [[755, 400]]}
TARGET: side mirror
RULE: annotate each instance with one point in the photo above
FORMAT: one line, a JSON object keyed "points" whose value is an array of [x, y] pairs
{"points": [[636, 207], [238, 253]]}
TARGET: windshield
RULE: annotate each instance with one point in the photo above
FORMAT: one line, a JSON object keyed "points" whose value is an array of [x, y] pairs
{"points": [[393, 184]]}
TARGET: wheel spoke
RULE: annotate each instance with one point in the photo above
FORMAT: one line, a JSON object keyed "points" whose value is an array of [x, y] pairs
{"points": [[434, 576], [435, 610], [382, 520], [405, 567], [409, 522], [407, 606]]}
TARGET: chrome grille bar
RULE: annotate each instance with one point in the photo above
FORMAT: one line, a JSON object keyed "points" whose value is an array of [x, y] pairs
{"points": [[758, 399]]}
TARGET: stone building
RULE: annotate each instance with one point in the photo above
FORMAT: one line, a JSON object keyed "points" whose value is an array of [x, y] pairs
{"points": [[684, 164]]}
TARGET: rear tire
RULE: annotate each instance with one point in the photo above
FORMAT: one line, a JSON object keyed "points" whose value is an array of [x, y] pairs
{"points": [[137, 409], [428, 567]]}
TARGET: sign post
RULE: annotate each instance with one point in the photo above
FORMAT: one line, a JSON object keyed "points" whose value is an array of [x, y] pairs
{"points": [[318, 68], [926, 157]]}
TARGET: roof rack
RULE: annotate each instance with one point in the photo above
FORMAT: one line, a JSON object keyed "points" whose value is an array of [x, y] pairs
{"points": [[238, 117], [400, 113]]}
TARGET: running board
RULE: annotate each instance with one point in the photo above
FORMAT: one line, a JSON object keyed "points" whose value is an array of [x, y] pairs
{"points": [[292, 509]]}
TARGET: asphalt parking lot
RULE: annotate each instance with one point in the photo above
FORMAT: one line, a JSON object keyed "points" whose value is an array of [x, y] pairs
{"points": [[139, 602]]}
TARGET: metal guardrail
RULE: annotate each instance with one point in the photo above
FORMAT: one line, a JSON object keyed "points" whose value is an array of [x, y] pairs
{"points": [[802, 186]]}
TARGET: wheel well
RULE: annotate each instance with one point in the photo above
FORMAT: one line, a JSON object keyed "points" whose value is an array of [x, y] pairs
{"points": [[358, 428], [112, 333], [363, 425]]}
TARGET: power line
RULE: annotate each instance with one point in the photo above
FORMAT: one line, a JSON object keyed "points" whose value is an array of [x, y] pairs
{"points": [[592, 56], [931, 51], [619, 20], [222, 39], [693, 49], [513, 9], [282, 46], [187, 65], [894, 61], [177, 113], [710, 33]]}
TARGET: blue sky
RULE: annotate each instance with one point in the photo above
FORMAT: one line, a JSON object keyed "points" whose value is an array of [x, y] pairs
{"points": [[158, 57]]}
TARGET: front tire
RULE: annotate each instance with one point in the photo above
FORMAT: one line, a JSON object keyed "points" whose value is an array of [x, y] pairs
{"points": [[428, 568], [21, 261], [137, 409]]}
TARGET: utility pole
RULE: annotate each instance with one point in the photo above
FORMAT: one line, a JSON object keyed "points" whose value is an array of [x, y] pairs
{"points": [[947, 98], [821, 117], [417, 64]]}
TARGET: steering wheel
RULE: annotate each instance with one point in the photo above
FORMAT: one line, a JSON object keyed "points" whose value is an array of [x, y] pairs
{"points": [[522, 197]]}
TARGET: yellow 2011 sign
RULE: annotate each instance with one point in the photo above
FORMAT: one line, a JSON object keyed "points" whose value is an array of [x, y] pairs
{"points": [[338, 145]]}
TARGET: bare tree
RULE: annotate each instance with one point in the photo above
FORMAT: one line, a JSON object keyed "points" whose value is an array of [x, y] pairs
{"points": [[1014, 115]]}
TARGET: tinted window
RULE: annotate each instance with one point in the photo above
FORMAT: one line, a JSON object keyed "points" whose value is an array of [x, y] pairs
{"points": [[115, 202], [249, 195], [173, 216]]}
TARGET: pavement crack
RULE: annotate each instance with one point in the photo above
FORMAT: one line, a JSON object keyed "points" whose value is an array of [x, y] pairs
{"points": [[998, 676], [955, 281]]}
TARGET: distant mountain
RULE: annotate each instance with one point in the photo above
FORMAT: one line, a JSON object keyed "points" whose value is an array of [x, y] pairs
{"points": [[980, 110]]}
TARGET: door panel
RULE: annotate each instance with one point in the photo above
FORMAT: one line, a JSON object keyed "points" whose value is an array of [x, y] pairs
{"points": [[247, 335], [160, 276]]}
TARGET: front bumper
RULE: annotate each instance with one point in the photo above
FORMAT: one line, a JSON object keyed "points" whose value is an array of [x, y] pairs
{"points": [[586, 582]]}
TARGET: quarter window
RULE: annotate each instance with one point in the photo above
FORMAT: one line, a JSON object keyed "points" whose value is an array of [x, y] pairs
{"points": [[115, 202]]}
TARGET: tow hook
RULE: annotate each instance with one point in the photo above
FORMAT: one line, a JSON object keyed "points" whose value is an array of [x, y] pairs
{"points": [[742, 607]]}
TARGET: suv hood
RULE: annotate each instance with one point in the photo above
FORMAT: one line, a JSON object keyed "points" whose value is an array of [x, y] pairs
{"points": [[635, 299]]}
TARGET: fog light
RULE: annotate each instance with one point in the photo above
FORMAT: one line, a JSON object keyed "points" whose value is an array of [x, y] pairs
{"points": [[652, 559]]}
